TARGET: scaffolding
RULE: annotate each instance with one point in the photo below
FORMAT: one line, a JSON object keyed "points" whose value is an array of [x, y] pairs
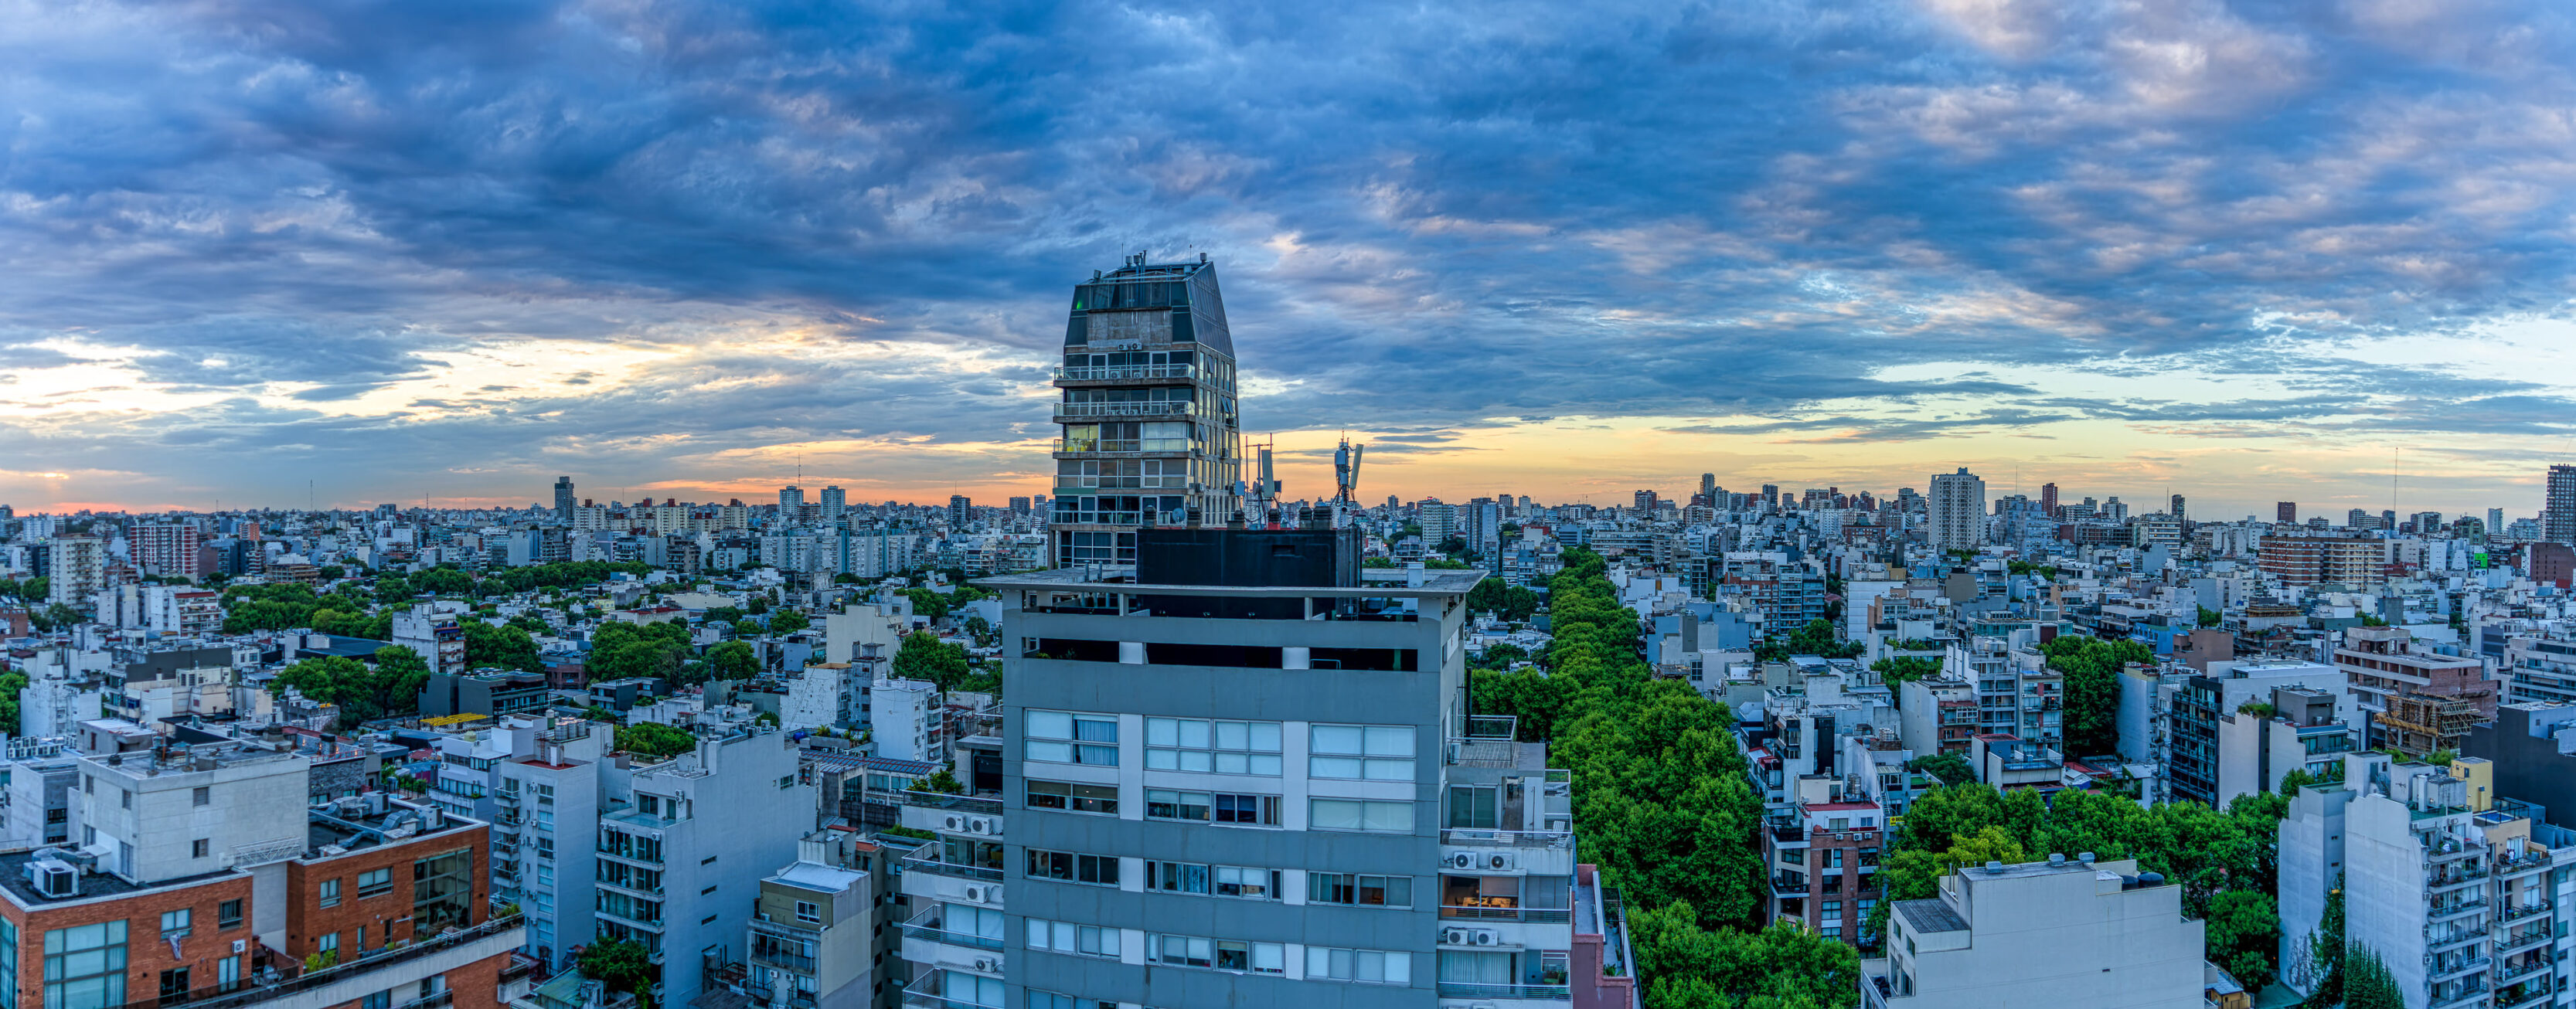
{"points": [[2417, 724]]}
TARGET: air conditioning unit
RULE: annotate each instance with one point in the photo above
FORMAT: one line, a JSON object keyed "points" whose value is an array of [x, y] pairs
{"points": [[54, 879], [1487, 937], [240, 945], [1454, 936], [979, 825], [953, 823], [975, 894], [1461, 860], [988, 965], [1498, 860]]}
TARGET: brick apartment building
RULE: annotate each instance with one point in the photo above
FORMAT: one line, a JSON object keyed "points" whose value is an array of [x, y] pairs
{"points": [[202, 875]]}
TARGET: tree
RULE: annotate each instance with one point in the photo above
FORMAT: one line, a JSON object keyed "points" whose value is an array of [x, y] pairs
{"points": [[1452, 545], [502, 646], [1686, 966], [2367, 983], [1903, 669], [2091, 667], [940, 781], [1514, 603], [445, 581], [923, 656], [362, 693], [788, 622], [2210, 618], [985, 634], [1817, 637], [620, 964], [10, 684], [2323, 960], [733, 660], [2243, 935], [655, 739], [1951, 768]]}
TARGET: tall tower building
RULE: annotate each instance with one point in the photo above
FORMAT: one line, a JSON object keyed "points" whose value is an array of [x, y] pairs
{"points": [[1957, 511], [2286, 512], [2048, 499], [961, 511], [1151, 430], [1708, 488], [835, 502], [563, 497], [2177, 508], [791, 503], [2558, 514]]}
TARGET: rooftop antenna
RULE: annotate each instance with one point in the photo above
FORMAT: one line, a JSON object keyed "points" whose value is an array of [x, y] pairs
{"points": [[1346, 469]]}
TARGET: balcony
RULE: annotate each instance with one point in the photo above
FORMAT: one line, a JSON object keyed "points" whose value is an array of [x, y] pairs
{"points": [[1125, 372], [2535, 994], [1473, 837], [2531, 940], [1552, 992], [782, 959], [2464, 967], [2521, 911], [2447, 912], [930, 926], [1079, 411], [933, 865], [928, 993], [1536, 915], [2509, 975], [356, 978]]}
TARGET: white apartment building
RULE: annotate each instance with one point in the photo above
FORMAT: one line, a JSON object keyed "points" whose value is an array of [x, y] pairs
{"points": [[545, 793], [1956, 516], [2064, 932]]}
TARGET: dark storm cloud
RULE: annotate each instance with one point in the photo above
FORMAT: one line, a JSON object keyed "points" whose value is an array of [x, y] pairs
{"points": [[1430, 217]]}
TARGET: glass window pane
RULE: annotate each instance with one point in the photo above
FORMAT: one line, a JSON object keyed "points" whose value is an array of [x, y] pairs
{"points": [[1336, 739], [1390, 741], [1050, 725]]}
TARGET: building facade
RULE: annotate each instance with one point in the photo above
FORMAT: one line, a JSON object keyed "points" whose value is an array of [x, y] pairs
{"points": [[1151, 430]]}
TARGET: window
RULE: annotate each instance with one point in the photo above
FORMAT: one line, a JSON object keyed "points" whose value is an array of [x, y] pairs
{"points": [[201, 796], [959, 986], [375, 883], [442, 892], [380, 1000], [1367, 965], [1070, 867], [1370, 752], [1357, 814], [787, 781], [1189, 744], [1367, 891], [174, 984], [1180, 950], [9, 964], [1473, 806], [1066, 738], [199, 847], [330, 893], [228, 914], [1067, 937], [125, 799], [1261, 810], [1244, 881], [1256, 957], [1177, 877], [808, 913], [981, 922], [1072, 797], [1165, 804], [174, 924]]}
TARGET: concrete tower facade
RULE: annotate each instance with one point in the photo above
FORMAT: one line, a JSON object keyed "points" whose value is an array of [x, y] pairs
{"points": [[1147, 403]]}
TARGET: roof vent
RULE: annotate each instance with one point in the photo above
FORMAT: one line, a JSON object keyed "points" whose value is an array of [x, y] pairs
{"points": [[1994, 868], [2147, 879], [2055, 859], [2085, 857]]}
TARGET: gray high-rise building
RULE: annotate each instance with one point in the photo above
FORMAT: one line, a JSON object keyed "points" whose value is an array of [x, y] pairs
{"points": [[563, 497], [2558, 514], [1332, 828], [1956, 512], [835, 502], [1151, 431], [961, 512], [791, 503]]}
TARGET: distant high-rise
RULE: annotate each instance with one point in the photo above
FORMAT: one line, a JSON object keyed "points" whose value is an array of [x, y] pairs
{"points": [[1151, 430], [960, 512], [835, 502], [1019, 506], [2285, 512], [2358, 519], [791, 502], [2495, 521], [1957, 511], [1393, 503], [2558, 514], [563, 497], [2048, 499], [1645, 500], [1708, 487], [2177, 507]]}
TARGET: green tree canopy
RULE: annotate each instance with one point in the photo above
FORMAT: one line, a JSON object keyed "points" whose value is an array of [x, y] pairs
{"points": [[923, 656], [788, 622], [655, 739], [733, 660], [1817, 637], [2091, 667], [504, 646], [363, 693]]}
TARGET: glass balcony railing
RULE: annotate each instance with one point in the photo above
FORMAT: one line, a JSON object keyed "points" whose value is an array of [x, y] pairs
{"points": [[1553, 992]]}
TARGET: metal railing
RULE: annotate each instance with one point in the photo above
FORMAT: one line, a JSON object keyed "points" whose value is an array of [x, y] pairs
{"points": [[930, 926], [961, 803], [1557, 992], [1479, 837], [2524, 910], [934, 866], [928, 993], [1094, 373], [1160, 408], [243, 993], [1529, 914]]}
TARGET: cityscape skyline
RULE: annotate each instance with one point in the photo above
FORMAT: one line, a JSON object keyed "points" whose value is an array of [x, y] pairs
{"points": [[250, 252]]}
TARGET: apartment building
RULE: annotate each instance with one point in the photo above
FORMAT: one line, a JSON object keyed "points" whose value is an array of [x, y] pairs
{"points": [[545, 791], [2462, 895], [2539, 669], [817, 938], [79, 570], [2417, 701], [1822, 853], [205, 878], [2226, 729], [684, 843], [2017, 693], [1329, 826], [2064, 932], [165, 548]]}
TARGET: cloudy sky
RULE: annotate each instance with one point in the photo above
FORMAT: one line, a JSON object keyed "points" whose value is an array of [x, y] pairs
{"points": [[2242, 251]]}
